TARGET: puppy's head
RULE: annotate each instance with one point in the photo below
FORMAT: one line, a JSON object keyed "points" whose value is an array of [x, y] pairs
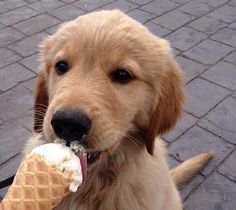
{"points": [[103, 77]]}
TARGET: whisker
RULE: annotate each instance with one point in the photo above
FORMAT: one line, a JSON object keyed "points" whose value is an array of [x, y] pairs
{"points": [[42, 105], [40, 110], [38, 123], [41, 115], [125, 135]]}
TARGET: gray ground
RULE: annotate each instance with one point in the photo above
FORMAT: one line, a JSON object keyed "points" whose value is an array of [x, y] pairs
{"points": [[203, 35]]}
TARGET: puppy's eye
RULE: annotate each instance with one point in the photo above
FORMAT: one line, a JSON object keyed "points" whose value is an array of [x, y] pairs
{"points": [[121, 76], [61, 67]]}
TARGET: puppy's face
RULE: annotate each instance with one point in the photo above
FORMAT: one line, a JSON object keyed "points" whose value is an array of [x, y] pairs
{"points": [[103, 77]]}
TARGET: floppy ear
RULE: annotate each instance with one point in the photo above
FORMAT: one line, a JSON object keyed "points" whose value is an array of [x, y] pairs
{"points": [[169, 106], [40, 91], [40, 100]]}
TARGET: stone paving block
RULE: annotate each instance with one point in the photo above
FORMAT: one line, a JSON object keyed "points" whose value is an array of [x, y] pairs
{"points": [[67, 12], [181, 127], [89, 5], [203, 95], [222, 73], [157, 30], [28, 45], [140, 15], [208, 52], [213, 3], [17, 15], [173, 20], [215, 193], [9, 35], [29, 84], [3, 192], [222, 120], [172, 162], [13, 74], [182, 1], [32, 1], [10, 167], [228, 167], [184, 38], [225, 13], [140, 2], [234, 94], [207, 25], [196, 141], [26, 121], [15, 102], [196, 8], [7, 57], [31, 62], [231, 58], [175, 52], [2, 26], [166, 142], [159, 7], [233, 25], [232, 3], [226, 35], [13, 137], [68, 1], [46, 5], [8, 170], [122, 5], [190, 68], [192, 185], [11, 4], [37, 24], [53, 29]]}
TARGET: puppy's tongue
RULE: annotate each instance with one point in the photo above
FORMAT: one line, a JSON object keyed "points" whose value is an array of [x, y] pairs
{"points": [[82, 154]]}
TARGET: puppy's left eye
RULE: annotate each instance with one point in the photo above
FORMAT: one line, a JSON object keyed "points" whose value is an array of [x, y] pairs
{"points": [[61, 67], [121, 76]]}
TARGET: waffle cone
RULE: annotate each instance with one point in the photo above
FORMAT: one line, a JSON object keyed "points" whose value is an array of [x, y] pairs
{"points": [[37, 186]]}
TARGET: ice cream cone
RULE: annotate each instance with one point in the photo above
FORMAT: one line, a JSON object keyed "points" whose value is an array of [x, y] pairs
{"points": [[38, 185]]}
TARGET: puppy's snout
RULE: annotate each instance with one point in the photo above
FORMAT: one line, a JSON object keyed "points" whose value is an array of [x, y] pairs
{"points": [[70, 125]]}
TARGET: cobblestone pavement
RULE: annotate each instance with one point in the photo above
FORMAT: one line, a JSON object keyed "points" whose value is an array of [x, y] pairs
{"points": [[203, 36]]}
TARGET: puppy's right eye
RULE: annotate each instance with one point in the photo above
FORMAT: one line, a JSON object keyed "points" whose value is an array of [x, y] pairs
{"points": [[121, 76], [61, 67]]}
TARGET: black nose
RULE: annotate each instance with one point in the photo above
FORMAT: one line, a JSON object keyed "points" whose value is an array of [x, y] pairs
{"points": [[70, 125]]}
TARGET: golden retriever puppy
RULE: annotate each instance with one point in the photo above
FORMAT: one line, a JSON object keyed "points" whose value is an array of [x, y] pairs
{"points": [[110, 84]]}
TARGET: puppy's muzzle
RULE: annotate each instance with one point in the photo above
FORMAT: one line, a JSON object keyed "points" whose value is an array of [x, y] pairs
{"points": [[70, 125]]}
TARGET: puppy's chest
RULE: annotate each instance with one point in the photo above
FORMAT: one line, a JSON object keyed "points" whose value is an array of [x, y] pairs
{"points": [[110, 202], [109, 198]]}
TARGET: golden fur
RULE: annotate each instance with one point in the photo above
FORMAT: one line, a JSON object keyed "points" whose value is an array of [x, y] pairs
{"points": [[126, 118]]}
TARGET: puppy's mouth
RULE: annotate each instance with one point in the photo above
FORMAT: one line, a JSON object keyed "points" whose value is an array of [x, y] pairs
{"points": [[87, 158], [92, 157]]}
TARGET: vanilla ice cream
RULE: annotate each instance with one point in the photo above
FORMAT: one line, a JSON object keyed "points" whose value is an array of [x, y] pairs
{"points": [[64, 160]]}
